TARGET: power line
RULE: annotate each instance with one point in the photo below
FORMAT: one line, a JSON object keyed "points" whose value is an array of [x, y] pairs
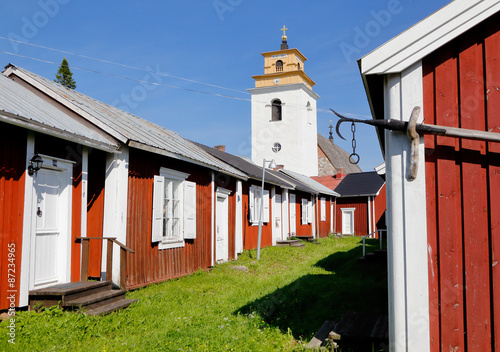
{"points": [[319, 110], [127, 78], [122, 65]]}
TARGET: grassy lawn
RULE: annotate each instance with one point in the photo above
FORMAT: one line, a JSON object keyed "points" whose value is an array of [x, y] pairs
{"points": [[277, 305]]}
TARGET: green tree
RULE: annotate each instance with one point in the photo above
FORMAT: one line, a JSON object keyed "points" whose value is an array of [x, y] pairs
{"points": [[64, 75]]}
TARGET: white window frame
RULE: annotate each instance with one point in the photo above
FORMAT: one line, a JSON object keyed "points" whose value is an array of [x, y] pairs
{"points": [[180, 208], [254, 205], [306, 211], [323, 208]]}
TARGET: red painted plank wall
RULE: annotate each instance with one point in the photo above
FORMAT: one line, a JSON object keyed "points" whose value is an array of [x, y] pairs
{"points": [[301, 230], [250, 232], [148, 264], [360, 214], [95, 208], [462, 89], [380, 208], [12, 174], [324, 226]]}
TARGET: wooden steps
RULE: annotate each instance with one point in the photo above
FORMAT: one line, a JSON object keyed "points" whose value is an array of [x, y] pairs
{"points": [[93, 297], [354, 332], [289, 243]]}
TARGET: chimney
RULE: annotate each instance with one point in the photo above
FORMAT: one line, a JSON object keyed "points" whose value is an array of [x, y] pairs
{"points": [[340, 173], [220, 147]]}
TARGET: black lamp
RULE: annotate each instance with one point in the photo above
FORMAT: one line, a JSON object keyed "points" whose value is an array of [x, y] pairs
{"points": [[35, 164]]}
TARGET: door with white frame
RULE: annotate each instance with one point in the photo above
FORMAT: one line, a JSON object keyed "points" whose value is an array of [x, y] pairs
{"points": [[348, 221], [277, 218], [50, 260], [222, 225]]}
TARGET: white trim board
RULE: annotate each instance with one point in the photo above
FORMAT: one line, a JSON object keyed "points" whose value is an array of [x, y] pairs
{"points": [[427, 36], [407, 221]]}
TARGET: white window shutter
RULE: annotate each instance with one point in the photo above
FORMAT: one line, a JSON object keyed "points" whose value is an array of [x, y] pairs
{"points": [[309, 212], [189, 210], [265, 214], [323, 209], [158, 201], [303, 210], [251, 204]]}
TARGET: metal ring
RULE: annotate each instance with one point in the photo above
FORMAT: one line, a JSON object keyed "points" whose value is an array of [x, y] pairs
{"points": [[354, 158]]}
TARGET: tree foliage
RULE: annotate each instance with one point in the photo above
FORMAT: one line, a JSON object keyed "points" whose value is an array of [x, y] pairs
{"points": [[64, 75]]}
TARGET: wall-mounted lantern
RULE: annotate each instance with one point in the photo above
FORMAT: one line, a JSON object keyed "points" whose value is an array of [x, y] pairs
{"points": [[35, 164]]}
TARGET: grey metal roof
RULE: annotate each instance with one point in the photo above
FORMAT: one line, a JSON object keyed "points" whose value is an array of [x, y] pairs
{"points": [[310, 182], [22, 107], [128, 128], [337, 156], [248, 167], [360, 184], [299, 186]]}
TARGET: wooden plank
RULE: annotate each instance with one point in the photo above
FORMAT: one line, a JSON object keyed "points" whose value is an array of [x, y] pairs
{"points": [[432, 231], [321, 335], [475, 216], [492, 74], [449, 206], [109, 260], [84, 276]]}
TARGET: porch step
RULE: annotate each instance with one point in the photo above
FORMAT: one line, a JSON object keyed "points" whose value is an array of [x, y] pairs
{"points": [[111, 307], [355, 332], [286, 243], [88, 295], [95, 300], [307, 239]]}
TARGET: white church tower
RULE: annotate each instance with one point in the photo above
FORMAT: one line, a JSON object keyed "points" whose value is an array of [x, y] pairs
{"points": [[284, 126]]}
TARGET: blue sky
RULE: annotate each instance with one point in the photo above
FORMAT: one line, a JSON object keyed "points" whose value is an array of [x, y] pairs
{"points": [[202, 53]]}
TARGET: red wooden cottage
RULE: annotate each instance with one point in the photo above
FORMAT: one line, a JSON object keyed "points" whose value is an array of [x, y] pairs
{"points": [[443, 223], [314, 202], [105, 173], [361, 204], [290, 203]]}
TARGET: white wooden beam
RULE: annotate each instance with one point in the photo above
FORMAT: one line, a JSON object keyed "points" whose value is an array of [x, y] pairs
{"points": [[407, 226]]}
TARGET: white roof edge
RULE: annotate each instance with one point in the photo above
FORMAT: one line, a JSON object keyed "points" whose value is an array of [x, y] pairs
{"points": [[427, 36], [56, 132], [12, 69]]}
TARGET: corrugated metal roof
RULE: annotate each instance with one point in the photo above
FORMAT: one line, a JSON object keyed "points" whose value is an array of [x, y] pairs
{"points": [[299, 186], [360, 184], [124, 126], [249, 168], [310, 182], [20, 106]]}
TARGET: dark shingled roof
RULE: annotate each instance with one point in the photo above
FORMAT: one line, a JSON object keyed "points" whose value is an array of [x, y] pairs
{"points": [[337, 156], [360, 184], [247, 167]]}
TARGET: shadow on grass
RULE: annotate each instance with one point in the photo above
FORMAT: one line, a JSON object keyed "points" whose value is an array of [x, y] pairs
{"points": [[305, 304]]}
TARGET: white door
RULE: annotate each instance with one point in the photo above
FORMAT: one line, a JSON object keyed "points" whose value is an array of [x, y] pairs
{"points": [[277, 217], [221, 229], [293, 220], [348, 221], [50, 251]]}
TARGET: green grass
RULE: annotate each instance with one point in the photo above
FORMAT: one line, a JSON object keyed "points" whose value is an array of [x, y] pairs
{"points": [[277, 305]]}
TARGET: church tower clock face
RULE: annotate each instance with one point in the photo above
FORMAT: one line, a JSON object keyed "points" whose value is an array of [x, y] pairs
{"points": [[284, 112]]}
